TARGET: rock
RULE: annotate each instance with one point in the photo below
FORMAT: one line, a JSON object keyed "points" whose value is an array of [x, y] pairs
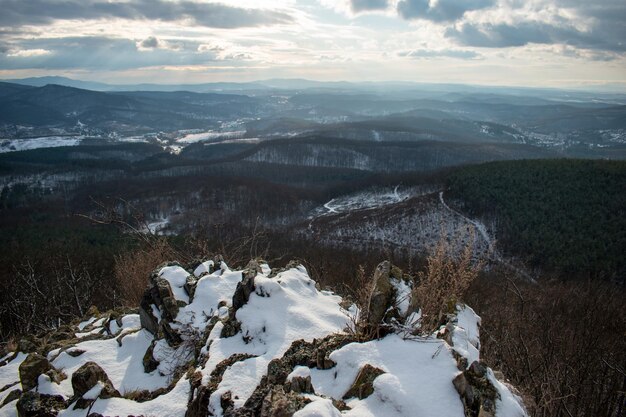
{"points": [[28, 344], [363, 385], [169, 306], [147, 319], [300, 385], [277, 403], [13, 395], [199, 404], [33, 404], [29, 370], [190, 287], [382, 295], [149, 363], [246, 286], [476, 391], [87, 376]]}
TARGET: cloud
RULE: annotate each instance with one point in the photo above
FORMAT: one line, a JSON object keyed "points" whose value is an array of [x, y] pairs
{"points": [[446, 53], [215, 15], [502, 35], [358, 6], [440, 11], [98, 53], [150, 43]]}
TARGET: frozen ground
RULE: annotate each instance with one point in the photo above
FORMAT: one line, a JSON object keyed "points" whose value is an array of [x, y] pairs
{"points": [[13, 145], [284, 306]]}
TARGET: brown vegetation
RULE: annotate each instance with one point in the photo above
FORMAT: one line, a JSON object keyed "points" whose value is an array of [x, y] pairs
{"points": [[444, 282], [562, 344]]}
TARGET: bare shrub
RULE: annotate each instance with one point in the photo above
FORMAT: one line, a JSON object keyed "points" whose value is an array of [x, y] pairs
{"points": [[561, 343], [443, 284], [132, 269]]}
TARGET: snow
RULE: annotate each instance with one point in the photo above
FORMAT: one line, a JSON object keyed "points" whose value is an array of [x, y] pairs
{"points": [[509, 404], [171, 404], [203, 268], [299, 372], [13, 145], [210, 291], [368, 199], [210, 135], [9, 373], [465, 338], [417, 380], [86, 323], [130, 322], [177, 277], [123, 364], [282, 310], [321, 407], [403, 295], [9, 410]]}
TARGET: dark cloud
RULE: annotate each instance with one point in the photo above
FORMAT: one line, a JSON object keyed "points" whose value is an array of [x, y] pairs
{"points": [[365, 5], [98, 53], [606, 33], [449, 53], [442, 11], [150, 42], [503, 35], [22, 12]]}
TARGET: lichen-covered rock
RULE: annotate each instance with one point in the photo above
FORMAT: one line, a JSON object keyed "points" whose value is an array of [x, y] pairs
{"points": [[363, 385], [33, 366], [477, 392], [33, 404], [381, 297], [300, 385], [87, 376], [278, 403]]}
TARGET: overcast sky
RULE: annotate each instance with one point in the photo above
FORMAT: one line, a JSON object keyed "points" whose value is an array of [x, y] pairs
{"points": [[556, 43]]}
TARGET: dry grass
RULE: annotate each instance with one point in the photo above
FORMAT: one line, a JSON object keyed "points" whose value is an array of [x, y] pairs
{"points": [[445, 281], [132, 269]]}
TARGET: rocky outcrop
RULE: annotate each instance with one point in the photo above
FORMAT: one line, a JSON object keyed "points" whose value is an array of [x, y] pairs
{"points": [[363, 385], [477, 392], [205, 334], [33, 404], [33, 366], [87, 376]]}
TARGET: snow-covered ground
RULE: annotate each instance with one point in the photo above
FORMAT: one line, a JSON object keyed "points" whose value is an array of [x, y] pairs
{"points": [[374, 198], [284, 307], [13, 145], [209, 136]]}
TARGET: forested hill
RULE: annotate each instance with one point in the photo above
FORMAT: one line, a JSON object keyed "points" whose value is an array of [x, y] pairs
{"points": [[565, 216]]}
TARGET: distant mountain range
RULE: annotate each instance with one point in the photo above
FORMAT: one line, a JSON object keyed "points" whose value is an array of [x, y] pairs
{"points": [[602, 93]]}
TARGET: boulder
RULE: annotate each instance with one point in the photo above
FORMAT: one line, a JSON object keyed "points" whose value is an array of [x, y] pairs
{"points": [[382, 295], [29, 370], [278, 403], [246, 286], [363, 385], [300, 385], [33, 404], [87, 376], [476, 391]]}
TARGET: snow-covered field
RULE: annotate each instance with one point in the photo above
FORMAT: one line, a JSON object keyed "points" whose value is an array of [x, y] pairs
{"points": [[210, 135], [375, 198], [12, 145]]}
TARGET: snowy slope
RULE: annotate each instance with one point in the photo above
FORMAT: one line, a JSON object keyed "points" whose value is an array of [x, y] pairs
{"points": [[217, 341]]}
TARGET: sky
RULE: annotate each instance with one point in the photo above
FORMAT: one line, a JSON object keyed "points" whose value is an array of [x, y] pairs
{"points": [[536, 43]]}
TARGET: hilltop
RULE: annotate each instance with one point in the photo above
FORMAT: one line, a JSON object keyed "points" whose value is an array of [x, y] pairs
{"points": [[211, 341]]}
